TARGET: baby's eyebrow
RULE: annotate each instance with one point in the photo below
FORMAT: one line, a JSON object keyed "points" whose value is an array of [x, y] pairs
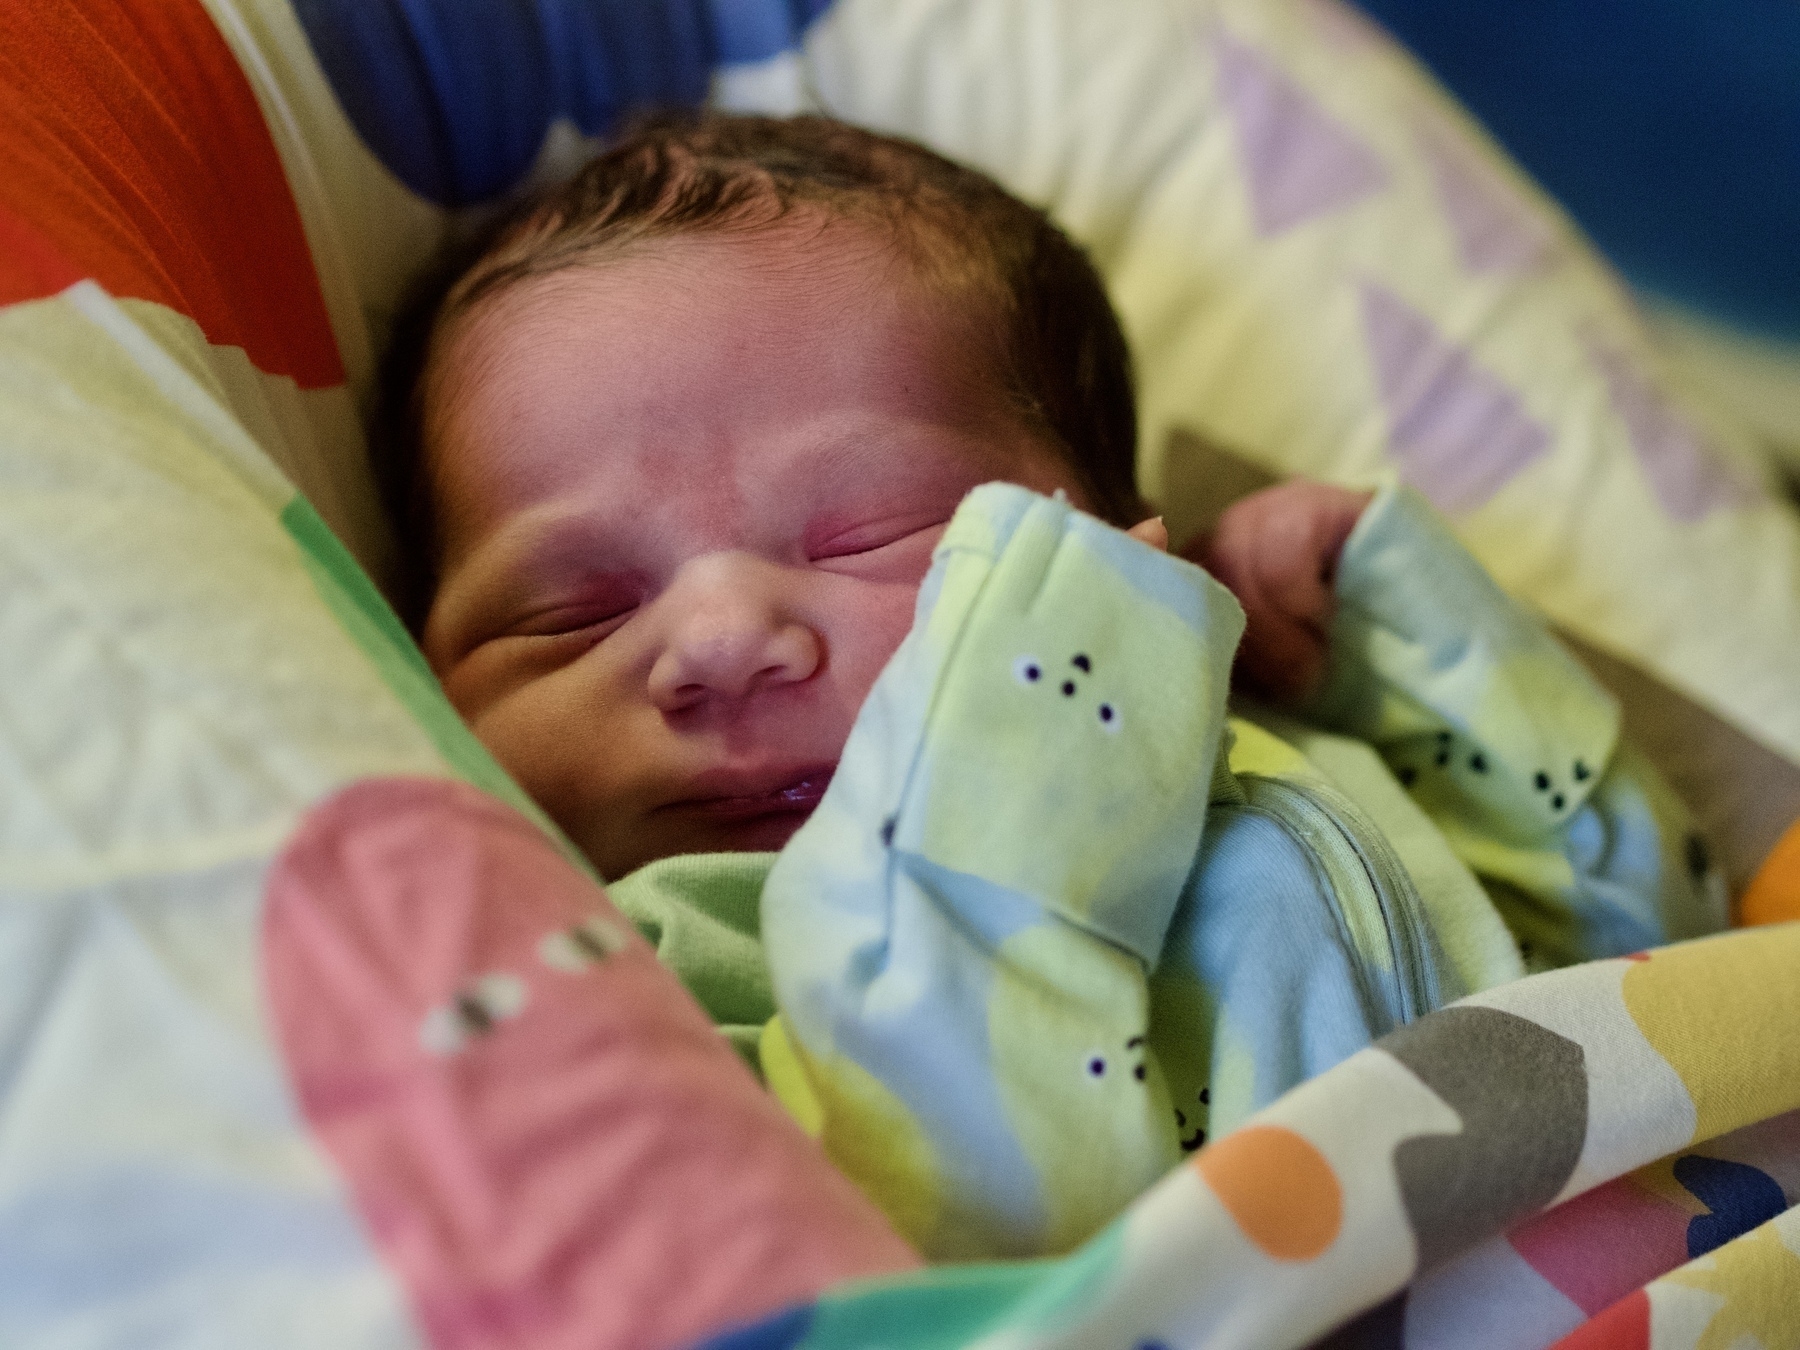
{"points": [[528, 546], [855, 453], [851, 452]]}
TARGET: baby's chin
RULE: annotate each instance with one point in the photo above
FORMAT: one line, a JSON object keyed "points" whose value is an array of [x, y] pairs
{"points": [[763, 834], [734, 826]]}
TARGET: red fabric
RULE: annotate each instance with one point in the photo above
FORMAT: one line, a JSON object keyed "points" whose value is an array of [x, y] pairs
{"points": [[133, 150], [1600, 1246], [549, 1143], [30, 265], [1624, 1326]]}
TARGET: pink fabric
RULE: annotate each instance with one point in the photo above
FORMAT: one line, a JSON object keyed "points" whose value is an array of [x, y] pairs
{"points": [[1600, 1246], [549, 1143]]}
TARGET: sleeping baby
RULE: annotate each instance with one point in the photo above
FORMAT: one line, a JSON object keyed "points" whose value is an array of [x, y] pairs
{"points": [[770, 487]]}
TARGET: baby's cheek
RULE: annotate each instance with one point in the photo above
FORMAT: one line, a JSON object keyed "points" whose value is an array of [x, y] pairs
{"points": [[865, 631], [560, 737]]}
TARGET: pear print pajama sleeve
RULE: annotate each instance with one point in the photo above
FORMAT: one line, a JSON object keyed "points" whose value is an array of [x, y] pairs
{"points": [[1007, 962], [1510, 746]]}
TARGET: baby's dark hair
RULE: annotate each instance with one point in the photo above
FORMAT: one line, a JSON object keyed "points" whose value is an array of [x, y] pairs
{"points": [[1030, 293]]}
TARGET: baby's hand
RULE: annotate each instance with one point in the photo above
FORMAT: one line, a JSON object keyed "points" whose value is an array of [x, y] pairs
{"points": [[1277, 551]]}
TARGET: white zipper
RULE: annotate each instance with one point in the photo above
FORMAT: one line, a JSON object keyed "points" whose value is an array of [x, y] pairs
{"points": [[1376, 899]]}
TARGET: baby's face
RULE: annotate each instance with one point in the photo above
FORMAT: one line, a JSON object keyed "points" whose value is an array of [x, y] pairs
{"points": [[685, 500]]}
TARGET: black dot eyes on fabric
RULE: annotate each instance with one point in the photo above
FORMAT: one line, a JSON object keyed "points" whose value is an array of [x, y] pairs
{"points": [[1081, 663], [1699, 861], [1106, 712], [1582, 772], [1541, 781], [1027, 670], [1557, 802], [1443, 758], [1068, 689], [473, 1014], [1478, 763], [1096, 1067], [1408, 777], [1138, 1073], [887, 831], [589, 945]]}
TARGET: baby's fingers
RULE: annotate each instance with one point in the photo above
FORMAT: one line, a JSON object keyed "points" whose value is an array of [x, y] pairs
{"points": [[1277, 550], [1280, 659], [1152, 532]]}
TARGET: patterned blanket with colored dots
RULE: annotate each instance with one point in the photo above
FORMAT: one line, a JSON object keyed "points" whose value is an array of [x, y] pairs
{"points": [[1600, 1158], [311, 1031]]}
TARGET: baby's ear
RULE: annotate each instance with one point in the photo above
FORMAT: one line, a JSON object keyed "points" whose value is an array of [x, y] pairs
{"points": [[1152, 532]]}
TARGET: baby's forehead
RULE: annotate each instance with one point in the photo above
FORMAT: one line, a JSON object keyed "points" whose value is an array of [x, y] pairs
{"points": [[686, 366], [790, 285]]}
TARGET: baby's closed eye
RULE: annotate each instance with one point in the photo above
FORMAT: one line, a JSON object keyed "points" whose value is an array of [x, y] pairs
{"points": [[872, 536], [593, 609], [569, 619], [893, 550]]}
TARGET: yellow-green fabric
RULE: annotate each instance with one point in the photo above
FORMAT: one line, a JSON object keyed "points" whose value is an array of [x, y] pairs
{"points": [[700, 911], [1057, 906]]}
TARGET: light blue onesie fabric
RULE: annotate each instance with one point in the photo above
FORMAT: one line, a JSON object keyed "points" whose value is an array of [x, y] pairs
{"points": [[1058, 917]]}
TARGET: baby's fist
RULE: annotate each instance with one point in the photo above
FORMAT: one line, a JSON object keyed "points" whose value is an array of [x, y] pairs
{"points": [[1277, 551]]}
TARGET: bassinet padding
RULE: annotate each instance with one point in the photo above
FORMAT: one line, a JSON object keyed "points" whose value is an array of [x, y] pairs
{"points": [[205, 710], [1276, 193], [312, 1030]]}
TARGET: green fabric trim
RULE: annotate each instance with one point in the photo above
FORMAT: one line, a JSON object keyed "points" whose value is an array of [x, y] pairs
{"points": [[372, 624], [945, 1307], [703, 914]]}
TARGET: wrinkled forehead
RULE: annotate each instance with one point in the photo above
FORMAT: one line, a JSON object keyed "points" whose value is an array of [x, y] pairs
{"points": [[755, 342], [807, 271], [859, 244]]}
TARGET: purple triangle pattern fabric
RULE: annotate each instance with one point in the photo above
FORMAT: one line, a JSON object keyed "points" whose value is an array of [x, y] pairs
{"points": [[1457, 432], [1299, 161], [1687, 475], [1497, 232]]}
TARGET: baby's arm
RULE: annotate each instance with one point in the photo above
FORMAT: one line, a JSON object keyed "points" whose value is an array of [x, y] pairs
{"points": [[1508, 743], [960, 936]]}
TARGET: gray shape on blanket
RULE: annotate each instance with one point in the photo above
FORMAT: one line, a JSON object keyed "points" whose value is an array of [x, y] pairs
{"points": [[1522, 1093]]}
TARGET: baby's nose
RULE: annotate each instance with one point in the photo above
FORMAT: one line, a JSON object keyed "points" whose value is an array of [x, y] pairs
{"points": [[733, 631]]}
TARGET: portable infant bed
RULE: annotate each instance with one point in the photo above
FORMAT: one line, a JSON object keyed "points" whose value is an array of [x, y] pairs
{"points": [[296, 1047]]}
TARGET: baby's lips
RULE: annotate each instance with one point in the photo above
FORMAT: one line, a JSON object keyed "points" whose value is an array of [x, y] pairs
{"points": [[732, 795]]}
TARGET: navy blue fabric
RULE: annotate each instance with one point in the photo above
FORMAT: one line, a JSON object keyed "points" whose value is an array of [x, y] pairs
{"points": [[782, 1331], [455, 96], [1670, 129], [1738, 1196]]}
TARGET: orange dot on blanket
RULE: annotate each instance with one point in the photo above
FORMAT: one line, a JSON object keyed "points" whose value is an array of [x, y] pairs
{"points": [[1278, 1188], [1774, 892]]}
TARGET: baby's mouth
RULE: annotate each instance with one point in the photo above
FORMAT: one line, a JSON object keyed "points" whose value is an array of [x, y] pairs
{"points": [[805, 791], [725, 798]]}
